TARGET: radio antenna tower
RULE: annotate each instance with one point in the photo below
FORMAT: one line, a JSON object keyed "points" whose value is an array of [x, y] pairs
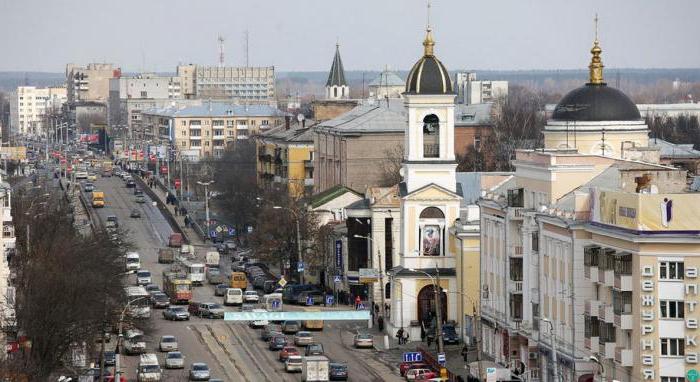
{"points": [[221, 51]]}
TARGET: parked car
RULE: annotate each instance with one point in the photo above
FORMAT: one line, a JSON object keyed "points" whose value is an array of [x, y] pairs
{"points": [[414, 374], [291, 327], [176, 313], [303, 338], [168, 343], [160, 300], [251, 296], [313, 349], [317, 297], [338, 371], [406, 366], [449, 334], [135, 213], [174, 360], [220, 290], [293, 364], [288, 351], [199, 371], [277, 342], [269, 330], [363, 340]]}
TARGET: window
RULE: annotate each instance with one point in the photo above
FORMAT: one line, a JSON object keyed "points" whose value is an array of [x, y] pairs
{"points": [[431, 136], [264, 122], [477, 143], [672, 379], [535, 241], [195, 133], [184, 123], [144, 94], [673, 346], [672, 309], [196, 143], [671, 270]]}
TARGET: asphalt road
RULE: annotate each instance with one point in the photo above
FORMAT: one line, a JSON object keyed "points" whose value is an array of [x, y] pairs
{"points": [[233, 351]]}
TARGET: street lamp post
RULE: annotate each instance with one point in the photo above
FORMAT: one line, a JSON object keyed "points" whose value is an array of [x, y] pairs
{"points": [[554, 347], [381, 270], [301, 256], [206, 201], [117, 371], [438, 308], [600, 366]]}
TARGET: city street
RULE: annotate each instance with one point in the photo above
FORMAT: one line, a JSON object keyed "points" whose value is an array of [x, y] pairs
{"points": [[233, 351]]}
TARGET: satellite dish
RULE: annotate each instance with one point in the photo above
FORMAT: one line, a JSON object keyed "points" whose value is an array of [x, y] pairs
{"points": [[300, 117]]}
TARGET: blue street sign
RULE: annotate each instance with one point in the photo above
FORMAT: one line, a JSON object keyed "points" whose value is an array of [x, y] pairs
{"points": [[361, 306], [300, 266], [337, 279], [442, 359], [212, 233], [413, 356], [232, 231], [329, 299], [250, 228], [275, 304], [309, 300]]}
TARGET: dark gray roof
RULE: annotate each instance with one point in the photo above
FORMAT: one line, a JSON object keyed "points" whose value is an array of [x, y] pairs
{"points": [[673, 150], [596, 102], [217, 109], [337, 75], [429, 76], [376, 118]]}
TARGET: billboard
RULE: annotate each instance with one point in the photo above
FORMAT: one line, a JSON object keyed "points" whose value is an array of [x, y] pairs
{"points": [[90, 138], [647, 212], [13, 153]]}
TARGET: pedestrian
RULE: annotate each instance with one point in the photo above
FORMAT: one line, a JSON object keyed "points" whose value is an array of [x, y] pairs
{"points": [[405, 337], [376, 309], [422, 332], [183, 210], [465, 353], [380, 323], [399, 335], [358, 302]]}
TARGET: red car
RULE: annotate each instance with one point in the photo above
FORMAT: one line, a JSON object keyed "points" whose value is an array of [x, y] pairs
{"points": [[406, 366], [287, 351]]}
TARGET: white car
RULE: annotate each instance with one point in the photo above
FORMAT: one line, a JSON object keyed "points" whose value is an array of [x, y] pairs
{"points": [[294, 363], [168, 343], [258, 323], [174, 360], [250, 296], [143, 277]]}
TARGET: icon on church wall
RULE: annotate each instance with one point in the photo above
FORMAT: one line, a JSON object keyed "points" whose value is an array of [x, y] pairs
{"points": [[431, 240]]}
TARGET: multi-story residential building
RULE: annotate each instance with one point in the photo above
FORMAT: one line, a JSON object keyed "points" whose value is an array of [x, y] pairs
{"points": [[208, 128], [31, 108], [587, 267], [470, 91], [90, 83], [128, 96], [286, 158], [7, 240], [252, 84]]}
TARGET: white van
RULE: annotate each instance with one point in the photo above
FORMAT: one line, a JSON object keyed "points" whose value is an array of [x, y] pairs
{"points": [[149, 369], [133, 261], [134, 342], [233, 296]]}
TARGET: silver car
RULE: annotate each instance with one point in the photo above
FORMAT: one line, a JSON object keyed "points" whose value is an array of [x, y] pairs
{"points": [[199, 371], [168, 343], [174, 360], [303, 338]]}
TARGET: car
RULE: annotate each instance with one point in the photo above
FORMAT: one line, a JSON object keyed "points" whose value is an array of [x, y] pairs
{"points": [[449, 334], [317, 297], [152, 289], [247, 307], [199, 371], [174, 360], [140, 199], [167, 343], [88, 187], [288, 351], [110, 358], [135, 213], [214, 276], [338, 371], [220, 290], [291, 327], [363, 340], [112, 222], [406, 366], [81, 175], [138, 191], [303, 338], [210, 310], [130, 183], [269, 330], [277, 342], [294, 363], [160, 300], [92, 177], [258, 323], [313, 349], [418, 373], [176, 313], [251, 296], [143, 277]]}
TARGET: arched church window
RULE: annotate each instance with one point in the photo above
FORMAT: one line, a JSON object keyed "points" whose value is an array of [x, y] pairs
{"points": [[335, 92], [432, 213], [431, 136]]}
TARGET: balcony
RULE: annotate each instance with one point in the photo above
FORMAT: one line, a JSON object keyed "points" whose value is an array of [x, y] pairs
{"points": [[623, 321], [605, 313], [623, 283], [516, 287], [591, 307], [516, 213], [606, 277], [241, 127], [607, 349], [589, 342], [624, 357]]}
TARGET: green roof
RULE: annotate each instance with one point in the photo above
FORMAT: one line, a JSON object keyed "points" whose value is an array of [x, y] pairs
{"points": [[330, 194]]}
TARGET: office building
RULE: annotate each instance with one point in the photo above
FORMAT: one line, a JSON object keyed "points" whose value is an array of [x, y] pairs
{"points": [[472, 91], [249, 84]]}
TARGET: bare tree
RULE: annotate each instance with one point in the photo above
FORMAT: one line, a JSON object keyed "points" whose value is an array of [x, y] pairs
{"points": [[391, 166]]}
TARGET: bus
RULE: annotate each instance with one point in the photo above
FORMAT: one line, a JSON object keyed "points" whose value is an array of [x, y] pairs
{"points": [[239, 280], [194, 270], [178, 287], [139, 302], [312, 324]]}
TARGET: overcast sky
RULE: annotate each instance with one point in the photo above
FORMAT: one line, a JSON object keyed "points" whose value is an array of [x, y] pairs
{"points": [[154, 35]]}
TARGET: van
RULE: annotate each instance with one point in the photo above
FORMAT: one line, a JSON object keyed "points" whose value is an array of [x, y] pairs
{"points": [[233, 296], [149, 369], [175, 240], [133, 261], [134, 342]]}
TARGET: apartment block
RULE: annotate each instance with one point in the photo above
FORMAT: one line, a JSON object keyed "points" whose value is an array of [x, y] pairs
{"points": [[254, 84], [29, 107], [89, 83], [472, 91]]}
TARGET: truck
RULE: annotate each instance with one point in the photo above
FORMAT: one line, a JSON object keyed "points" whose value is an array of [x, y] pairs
{"points": [[175, 240], [315, 369], [177, 286], [107, 169], [149, 368], [211, 259], [98, 199], [166, 255]]}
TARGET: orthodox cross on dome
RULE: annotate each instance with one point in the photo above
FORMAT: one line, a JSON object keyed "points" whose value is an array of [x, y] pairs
{"points": [[429, 42], [595, 68]]}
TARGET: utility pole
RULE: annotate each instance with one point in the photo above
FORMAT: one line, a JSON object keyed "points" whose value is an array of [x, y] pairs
{"points": [[438, 311], [206, 204]]}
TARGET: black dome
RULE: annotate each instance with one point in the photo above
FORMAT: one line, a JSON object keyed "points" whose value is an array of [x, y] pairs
{"points": [[596, 102], [429, 76]]}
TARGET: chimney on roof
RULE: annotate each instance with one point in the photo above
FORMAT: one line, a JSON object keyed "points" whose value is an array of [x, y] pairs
{"points": [[287, 121]]}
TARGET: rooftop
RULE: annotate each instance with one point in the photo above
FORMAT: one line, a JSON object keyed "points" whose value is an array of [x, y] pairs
{"points": [[216, 109], [673, 150]]}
